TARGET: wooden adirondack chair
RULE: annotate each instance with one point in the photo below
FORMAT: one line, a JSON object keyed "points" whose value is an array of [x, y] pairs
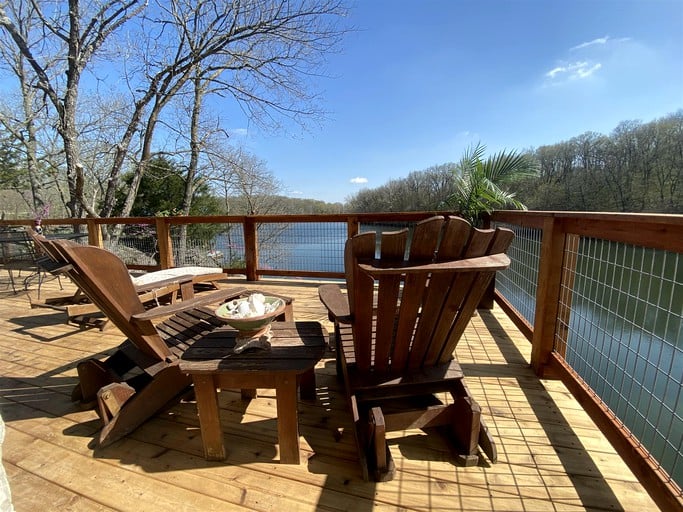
{"points": [[142, 375], [397, 328], [153, 287]]}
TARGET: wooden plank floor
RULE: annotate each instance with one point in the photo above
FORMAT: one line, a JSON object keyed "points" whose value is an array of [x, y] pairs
{"points": [[551, 456]]}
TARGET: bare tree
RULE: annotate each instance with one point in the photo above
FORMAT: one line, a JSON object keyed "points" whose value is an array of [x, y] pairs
{"points": [[244, 179], [22, 118], [258, 52], [81, 33]]}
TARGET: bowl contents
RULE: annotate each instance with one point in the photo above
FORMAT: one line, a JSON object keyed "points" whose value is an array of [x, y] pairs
{"points": [[254, 305]]}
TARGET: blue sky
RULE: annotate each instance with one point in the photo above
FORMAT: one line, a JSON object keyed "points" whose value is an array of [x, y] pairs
{"points": [[417, 82]]}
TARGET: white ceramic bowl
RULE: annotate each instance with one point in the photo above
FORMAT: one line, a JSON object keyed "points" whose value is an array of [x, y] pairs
{"points": [[251, 324]]}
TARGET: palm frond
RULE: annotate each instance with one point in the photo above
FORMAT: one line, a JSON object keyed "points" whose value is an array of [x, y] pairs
{"points": [[479, 183], [504, 167]]}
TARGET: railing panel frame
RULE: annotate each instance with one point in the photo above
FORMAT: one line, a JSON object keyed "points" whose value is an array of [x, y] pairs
{"points": [[561, 234]]}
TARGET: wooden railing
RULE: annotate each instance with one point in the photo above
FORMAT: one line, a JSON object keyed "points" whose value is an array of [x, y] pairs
{"points": [[564, 241], [560, 236], [251, 226]]}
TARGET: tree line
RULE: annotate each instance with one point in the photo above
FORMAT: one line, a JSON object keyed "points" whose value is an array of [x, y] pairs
{"points": [[638, 167]]}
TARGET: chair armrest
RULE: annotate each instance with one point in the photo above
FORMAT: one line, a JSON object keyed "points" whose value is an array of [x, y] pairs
{"points": [[336, 303], [200, 300], [377, 268]]}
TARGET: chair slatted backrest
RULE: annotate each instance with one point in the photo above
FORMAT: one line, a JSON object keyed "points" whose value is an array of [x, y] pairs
{"points": [[404, 321], [105, 279]]}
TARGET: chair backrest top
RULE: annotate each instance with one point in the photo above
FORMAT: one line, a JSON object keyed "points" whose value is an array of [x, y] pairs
{"points": [[409, 304]]}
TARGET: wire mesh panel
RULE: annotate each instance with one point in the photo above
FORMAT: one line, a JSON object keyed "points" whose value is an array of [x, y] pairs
{"points": [[625, 339], [209, 245], [306, 246], [518, 282], [136, 245]]}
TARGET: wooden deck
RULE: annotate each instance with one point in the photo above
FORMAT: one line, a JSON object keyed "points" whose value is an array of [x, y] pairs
{"points": [[551, 456]]}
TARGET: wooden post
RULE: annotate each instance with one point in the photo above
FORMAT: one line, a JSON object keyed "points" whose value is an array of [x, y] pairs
{"points": [[547, 294], [164, 242], [251, 248], [564, 310], [94, 233], [351, 227]]}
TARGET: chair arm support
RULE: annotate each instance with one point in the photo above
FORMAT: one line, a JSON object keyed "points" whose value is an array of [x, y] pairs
{"points": [[200, 300], [336, 303], [163, 282], [376, 268]]}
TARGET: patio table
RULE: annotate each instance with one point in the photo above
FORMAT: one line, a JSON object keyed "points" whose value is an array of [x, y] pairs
{"points": [[296, 347]]}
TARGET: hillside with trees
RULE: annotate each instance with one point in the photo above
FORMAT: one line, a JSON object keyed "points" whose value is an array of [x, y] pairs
{"points": [[638, 167]]}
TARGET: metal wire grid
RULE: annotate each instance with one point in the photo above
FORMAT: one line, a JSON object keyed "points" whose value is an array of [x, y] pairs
{"points": [[137, 245], [625, 339], [311, 246], [518, 282], [210, 245]]}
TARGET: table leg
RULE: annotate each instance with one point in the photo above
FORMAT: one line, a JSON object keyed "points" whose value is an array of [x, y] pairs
{"points": [[307, 385], [209, 417], [288, 419], [248, 393]]}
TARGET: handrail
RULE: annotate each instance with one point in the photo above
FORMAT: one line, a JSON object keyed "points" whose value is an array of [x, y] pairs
{"points": [[250, 225]]}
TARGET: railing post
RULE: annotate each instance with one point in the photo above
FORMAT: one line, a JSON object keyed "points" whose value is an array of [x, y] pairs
{"points": [[351, 226], [548, 293], [94, 233], [164, 243], [251, 247], [564, 309]]}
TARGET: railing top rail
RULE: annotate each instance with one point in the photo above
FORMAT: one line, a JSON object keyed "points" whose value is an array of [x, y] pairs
{"points": [[645, 218], [331, 217], [657, 231]]}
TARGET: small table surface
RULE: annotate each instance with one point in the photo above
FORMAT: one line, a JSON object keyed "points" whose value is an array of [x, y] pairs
{"points": [[296, 347], [293, 346]]}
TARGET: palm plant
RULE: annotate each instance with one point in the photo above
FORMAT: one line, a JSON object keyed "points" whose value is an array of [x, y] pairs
{"points": [[480, 184]]}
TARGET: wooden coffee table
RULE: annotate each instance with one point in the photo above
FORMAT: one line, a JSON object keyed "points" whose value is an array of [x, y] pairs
{"points": [[212, 364]]}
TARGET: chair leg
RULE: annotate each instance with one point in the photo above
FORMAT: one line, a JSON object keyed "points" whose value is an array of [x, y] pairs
{"points": [[111, 398], [465, 430], [383, 463], [466, 425], [92, 376], [167, 386]]}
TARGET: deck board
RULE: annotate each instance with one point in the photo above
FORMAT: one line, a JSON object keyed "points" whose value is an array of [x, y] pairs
{"points": [[551, 455]]}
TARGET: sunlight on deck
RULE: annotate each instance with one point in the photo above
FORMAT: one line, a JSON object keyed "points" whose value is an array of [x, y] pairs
{"points": [[551, 455]]}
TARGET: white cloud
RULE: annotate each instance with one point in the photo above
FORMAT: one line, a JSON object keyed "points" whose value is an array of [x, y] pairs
{"points": [[238, 132], [358, 180], [585, 72], [573, 71], [595, 52], [599, 40]]}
